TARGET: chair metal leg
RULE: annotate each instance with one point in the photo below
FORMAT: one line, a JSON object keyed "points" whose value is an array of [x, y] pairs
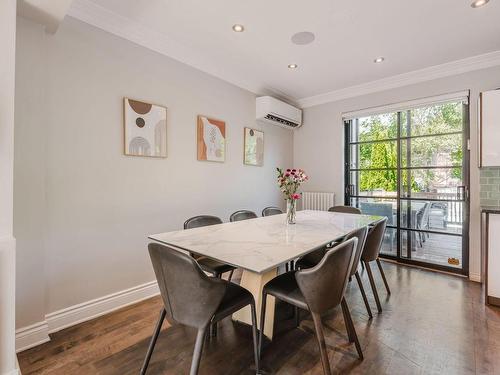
{"points": [[198, 348], [152, 343], [318, 326], [374, 287], [262, 320], [212, 331], [230, 275], [347, 325], [296, 315], [254, 335], [363, 294], [383, 276], [362, 266], [353, 330]]}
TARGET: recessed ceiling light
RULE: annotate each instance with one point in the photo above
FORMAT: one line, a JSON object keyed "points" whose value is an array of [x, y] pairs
{"points": [[479, 3], [379, 60], [292, 66], [238, 28]]}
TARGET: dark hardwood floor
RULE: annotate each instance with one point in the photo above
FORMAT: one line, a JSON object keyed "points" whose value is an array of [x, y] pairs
{"points": [[431, 324]]}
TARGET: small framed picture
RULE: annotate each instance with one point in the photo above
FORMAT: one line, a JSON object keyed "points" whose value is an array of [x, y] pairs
{"points": [[254, 147]]}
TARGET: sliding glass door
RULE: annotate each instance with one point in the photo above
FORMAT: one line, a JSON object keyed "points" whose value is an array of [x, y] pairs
{"points": [[412, 167]]}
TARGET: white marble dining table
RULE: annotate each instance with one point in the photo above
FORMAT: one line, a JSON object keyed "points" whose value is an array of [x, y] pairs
{"points": [[259, 246]]}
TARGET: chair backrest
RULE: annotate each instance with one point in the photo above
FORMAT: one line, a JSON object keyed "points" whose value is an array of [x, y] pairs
{"points": [[269, 211], [360, 234], [374, 240], [345, 209], [378, 209], [201, 221], [189, 296], [242, 215], [323, 286]]}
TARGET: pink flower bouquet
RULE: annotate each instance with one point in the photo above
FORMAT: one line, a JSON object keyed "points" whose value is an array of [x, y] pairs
{"points": [[289, 182]]}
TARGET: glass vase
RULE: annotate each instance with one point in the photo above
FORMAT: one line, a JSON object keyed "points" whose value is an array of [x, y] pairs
{"points": [[291, 205]]}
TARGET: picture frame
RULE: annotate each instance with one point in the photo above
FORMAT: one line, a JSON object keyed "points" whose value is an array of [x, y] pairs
{"points": [[145, 129], [210, 139], [253, 147]]}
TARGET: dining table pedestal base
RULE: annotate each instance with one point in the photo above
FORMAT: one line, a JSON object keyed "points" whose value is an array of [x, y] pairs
{"points": [[254, 282]]}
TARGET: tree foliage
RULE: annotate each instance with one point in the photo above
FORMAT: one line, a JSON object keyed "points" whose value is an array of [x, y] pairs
{"points": [[435, 150]]}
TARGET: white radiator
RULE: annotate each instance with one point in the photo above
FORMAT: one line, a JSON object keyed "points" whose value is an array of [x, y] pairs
{"points": [[312, 200]]}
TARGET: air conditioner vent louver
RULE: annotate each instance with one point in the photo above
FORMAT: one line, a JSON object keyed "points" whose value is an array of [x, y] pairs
{"points": [[282, 121], [276, 112]]}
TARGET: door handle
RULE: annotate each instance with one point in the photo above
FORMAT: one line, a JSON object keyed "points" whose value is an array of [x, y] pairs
{"points": [[349, 189]]}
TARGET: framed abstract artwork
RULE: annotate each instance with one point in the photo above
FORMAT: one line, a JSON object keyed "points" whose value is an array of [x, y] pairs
{"points": [[211, 139], [145, 127], [254, 147]]}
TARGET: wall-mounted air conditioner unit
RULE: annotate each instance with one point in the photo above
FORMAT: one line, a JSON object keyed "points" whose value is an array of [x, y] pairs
{"points": [[276, 112]]}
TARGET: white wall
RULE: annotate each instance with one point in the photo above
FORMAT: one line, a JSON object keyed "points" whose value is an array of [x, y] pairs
{"points": [[319, 144], [83, 209], [7, 241], [29, 174]]}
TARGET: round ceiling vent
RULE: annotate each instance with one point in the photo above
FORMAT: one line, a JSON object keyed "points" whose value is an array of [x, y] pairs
{"points": [[304, 37]]}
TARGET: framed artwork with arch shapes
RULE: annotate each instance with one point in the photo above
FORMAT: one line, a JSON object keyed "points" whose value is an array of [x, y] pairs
{"points": [[145, 129]]}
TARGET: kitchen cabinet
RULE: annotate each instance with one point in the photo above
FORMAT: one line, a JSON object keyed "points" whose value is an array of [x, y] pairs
{"points": [[489, 129]]}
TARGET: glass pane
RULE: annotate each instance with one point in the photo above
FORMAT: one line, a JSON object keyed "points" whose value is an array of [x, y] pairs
{"points": [[374, 155], [378, 207], [431, 215], [442, 183], [390, 243], [377, 127], [444, 150], [433, 248], [375, 183], [437, 119]]}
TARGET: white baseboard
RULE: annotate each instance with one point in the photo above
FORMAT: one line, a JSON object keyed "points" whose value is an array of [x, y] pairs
{"points": [[38, 333], [92, 309], [475, 277], [30, 336]]}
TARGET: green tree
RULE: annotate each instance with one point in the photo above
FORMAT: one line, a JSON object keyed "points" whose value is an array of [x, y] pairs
{"points": [[443, 150]]}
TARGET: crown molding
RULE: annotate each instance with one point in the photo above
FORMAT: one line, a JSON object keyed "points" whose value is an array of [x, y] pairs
{"points": [[50, 14], [133, 31], [469, 64]]}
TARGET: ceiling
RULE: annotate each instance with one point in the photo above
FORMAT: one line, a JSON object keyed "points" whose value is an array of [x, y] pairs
{"points": [[410, 34]]}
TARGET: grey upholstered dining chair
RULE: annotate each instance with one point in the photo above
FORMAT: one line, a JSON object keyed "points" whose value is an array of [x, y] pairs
{"points": [[192, 298], [345, 209], [423, 222], [242, 215], [207, 264], [269, 211], [371, 252], [315, 258], [317, 290]]}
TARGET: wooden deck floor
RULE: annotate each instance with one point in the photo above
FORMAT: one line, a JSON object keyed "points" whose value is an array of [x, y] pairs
{"points": [[436, 249], [431, 324]]}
